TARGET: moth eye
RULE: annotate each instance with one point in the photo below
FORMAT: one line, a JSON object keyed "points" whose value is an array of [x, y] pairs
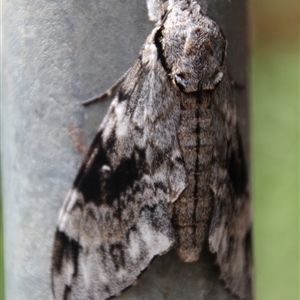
{"points": [[179, 80], [181, 75]]}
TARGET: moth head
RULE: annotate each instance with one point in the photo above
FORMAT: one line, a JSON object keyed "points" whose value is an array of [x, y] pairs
{"points": [[194, 48]]}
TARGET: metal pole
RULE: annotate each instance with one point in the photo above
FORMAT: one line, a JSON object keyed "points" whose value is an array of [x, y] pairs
{"points": [[56, 54]]}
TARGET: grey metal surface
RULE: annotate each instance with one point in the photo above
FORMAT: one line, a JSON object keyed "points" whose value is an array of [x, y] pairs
{"points": [[56, 54]]}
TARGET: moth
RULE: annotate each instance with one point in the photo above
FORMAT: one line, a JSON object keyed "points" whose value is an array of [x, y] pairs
{"points": [[166, 169]]}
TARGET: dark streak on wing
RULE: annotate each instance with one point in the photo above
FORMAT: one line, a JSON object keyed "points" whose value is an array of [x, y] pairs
{"points": [[107, 289], [160, 156], [110, 143], [117, 254], [133, 228], [65, 250], [83, 169], [121, 178], [160, 185], [102, 253], [160, 53], [64, 247], [122, 95], [92, 174], [91, 181], [67, 292]]}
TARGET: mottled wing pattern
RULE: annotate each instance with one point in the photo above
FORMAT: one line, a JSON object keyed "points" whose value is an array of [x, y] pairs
{"points": [[114, 219], [229, 235]]}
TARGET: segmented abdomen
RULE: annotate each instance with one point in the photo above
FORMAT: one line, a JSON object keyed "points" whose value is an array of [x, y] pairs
{"points": [[190, 214]]}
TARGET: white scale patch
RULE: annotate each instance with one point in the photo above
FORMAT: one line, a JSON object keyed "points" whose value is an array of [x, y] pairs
{"points": [[134, 246], [155, 241]]}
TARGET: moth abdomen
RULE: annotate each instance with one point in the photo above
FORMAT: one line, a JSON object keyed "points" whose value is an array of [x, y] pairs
{"points": [[191, 212]]}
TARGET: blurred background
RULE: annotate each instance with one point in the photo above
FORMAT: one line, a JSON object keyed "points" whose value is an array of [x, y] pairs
{"points": [[274, 28], [275, 147]]}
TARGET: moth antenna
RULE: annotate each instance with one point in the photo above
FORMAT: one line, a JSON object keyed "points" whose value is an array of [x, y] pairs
{"points": [[108, 92]]}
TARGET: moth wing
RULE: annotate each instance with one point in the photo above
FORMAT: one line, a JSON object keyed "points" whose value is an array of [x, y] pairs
{"points": [[229, 235], [114, 219]]}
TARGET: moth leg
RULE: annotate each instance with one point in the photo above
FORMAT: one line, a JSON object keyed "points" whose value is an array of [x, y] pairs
{"points": [[108, 92]]}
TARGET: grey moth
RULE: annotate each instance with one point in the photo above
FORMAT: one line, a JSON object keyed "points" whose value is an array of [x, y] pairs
{"points": [[166, 169]]}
